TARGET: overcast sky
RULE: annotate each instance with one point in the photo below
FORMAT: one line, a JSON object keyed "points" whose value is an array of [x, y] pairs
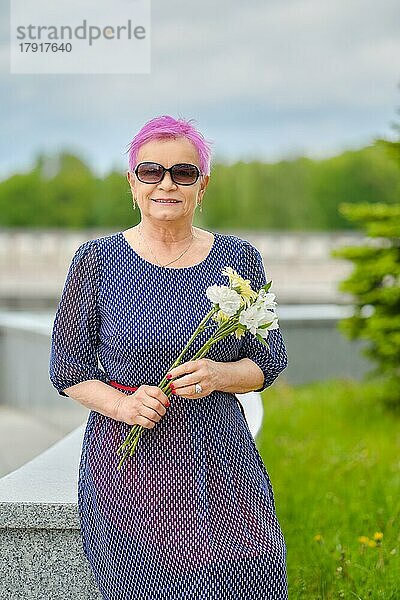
{"points": [[262, 78]]}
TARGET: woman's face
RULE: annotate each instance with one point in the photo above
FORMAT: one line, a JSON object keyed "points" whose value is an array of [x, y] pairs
{"points": [[167, 153]]}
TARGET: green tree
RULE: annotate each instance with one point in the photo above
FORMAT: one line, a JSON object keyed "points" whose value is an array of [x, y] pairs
{"points": [[297, 194], [375, 286]]}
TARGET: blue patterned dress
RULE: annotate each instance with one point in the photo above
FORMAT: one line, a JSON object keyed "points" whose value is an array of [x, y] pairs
{"points": [[192, 515]]}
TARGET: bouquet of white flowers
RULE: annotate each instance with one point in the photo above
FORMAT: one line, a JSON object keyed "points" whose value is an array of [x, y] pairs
{"points": [[236, 309]]}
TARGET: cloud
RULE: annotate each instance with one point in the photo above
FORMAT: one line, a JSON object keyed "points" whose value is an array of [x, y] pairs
{"points": [[259, 76]]}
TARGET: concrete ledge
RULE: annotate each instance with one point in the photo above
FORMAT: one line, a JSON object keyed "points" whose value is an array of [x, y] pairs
{"points": [[40, 545], [50, 477], [43, 493]]}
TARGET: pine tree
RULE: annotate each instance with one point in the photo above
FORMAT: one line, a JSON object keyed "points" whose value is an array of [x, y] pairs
{"points": [[375, 285]]}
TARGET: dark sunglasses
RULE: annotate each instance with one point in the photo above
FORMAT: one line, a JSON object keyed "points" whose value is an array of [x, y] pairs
{"points": [[181, 173]]}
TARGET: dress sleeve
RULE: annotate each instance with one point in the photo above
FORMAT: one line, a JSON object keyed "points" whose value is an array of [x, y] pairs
{"points": [[273, 360], [73, 354]]}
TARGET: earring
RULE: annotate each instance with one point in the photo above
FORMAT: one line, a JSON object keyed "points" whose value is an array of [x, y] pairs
{"points": [[200, 203], [134, 203]]}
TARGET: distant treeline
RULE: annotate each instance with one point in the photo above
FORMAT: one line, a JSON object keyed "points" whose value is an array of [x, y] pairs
{"points": [[301, 194]]}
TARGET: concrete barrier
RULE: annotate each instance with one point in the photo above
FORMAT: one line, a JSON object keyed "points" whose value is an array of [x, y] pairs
{"points": [[34, 263], [40, 547]]}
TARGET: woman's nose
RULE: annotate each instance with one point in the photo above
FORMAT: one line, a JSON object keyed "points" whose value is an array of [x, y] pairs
{"points": [[166, 182]]}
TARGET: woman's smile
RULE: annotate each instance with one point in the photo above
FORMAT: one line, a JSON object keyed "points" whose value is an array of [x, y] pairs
{"points": [[166, 200]]}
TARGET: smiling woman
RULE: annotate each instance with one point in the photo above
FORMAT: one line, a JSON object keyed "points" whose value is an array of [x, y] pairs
{"points": [[168, 180], [192, 513]]}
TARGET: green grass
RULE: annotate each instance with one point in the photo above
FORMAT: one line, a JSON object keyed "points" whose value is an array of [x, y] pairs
{"points": [[333, 455]]}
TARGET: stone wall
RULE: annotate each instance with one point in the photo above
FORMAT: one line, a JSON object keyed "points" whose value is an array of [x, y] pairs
{"points": [[34, 264]]}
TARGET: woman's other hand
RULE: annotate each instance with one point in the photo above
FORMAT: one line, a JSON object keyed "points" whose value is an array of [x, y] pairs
{"points": [[146, 406], [237, 377], [204, 371]]}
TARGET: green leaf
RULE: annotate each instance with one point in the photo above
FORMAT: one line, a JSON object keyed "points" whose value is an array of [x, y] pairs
{"points": [[262, 340], [267, 286], [265, 325]]}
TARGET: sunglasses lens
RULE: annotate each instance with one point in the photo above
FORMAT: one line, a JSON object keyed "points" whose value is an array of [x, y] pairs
{"points": [[185, 174], [149, 172]]}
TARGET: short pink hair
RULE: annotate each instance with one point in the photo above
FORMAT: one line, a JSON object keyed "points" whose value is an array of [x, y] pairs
{"points": [[166, 127]]}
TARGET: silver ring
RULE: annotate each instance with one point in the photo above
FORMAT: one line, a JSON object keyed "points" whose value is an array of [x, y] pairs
{"points": [[198, 388]]}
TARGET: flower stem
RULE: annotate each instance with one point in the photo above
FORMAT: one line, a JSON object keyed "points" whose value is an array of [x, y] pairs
{"points": [[198, 330], [213, 340], [136, 431]]}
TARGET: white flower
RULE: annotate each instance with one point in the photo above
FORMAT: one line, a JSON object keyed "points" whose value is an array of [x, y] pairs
{"points": [[227, 299], [254, 317], [265, 300], [269, 316], [250, 318]]}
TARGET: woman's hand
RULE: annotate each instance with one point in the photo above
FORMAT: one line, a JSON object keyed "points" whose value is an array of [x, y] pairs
{"points": [[204, 371], [146, 406]]}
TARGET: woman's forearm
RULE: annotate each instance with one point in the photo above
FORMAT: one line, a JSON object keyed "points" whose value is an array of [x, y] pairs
{"points": [[237, 377], [240, 376], [96, 395]]}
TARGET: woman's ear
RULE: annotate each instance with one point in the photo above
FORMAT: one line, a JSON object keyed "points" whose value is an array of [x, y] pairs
{"points": [[204, 183], [131, 180]]}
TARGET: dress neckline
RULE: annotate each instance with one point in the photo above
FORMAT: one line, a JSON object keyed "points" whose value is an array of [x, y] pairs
{"points": [[159, 267]]}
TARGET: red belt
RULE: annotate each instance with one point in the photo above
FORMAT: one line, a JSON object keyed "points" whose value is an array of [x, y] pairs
{"points": [[133, 389], [122, 387]]}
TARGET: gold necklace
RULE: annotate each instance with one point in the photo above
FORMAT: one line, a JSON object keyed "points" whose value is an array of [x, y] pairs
{"points": [[149, 249]]}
